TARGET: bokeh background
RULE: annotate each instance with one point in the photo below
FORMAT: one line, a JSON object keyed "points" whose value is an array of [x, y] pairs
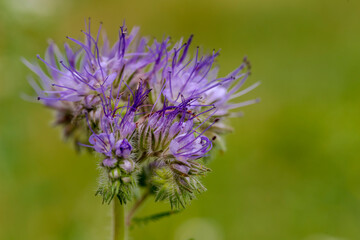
{"points": [[292, 167]]}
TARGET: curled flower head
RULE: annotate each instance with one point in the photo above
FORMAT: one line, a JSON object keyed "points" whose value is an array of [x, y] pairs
{"points": [[151, 110]]}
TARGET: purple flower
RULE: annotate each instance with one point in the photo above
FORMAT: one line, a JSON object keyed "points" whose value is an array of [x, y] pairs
{"points": [[181, 127], [86, 79], [102, 143], [187, 146], [196, 78], [123, 148], [148, 109]]}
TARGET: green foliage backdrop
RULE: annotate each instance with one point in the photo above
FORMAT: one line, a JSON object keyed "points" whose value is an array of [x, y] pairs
{"points": [[292, 168]]}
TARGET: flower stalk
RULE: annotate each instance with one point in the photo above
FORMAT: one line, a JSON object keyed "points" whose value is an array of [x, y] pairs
{"points": [[119, 228], [136, 206]]}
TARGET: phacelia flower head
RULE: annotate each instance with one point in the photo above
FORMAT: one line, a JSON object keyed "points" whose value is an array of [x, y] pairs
{"points": [[150, 110]]}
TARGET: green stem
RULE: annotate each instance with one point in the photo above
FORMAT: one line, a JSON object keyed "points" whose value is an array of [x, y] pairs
{"points": [[136, 207], [120, 230]]}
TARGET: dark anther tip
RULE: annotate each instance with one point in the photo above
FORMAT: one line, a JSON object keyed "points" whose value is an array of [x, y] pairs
{"points": [[216, 120], [38, 98], [213, 138]]}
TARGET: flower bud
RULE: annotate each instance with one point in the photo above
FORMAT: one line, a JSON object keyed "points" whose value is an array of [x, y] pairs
{"points": [[126, 179], [128, 166], [109, 162], [180, 169], [115, 173]]}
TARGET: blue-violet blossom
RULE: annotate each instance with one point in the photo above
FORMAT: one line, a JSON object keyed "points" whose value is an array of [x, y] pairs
{"points": [[150, 109]]}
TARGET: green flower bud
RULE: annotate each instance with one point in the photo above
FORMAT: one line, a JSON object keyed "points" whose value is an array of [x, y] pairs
{"points": [[126, 179], [115, 173]]}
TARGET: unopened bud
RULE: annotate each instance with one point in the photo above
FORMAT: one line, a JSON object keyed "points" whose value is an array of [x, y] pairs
{"points": [[126, 179], [115, 173], [128, 166]]}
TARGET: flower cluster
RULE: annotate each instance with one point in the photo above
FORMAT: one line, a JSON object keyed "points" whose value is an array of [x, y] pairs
{"points": [[150, 109]]}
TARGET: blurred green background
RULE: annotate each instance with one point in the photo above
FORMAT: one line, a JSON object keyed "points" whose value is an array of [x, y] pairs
{"points": [[292, 168]]}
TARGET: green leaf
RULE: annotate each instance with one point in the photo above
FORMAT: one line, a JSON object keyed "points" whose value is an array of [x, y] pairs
{"points": [[154, 217]]}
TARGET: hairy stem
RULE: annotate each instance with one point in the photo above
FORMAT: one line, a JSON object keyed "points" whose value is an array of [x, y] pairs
{"points": [[136, 206], [120, 229]]}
